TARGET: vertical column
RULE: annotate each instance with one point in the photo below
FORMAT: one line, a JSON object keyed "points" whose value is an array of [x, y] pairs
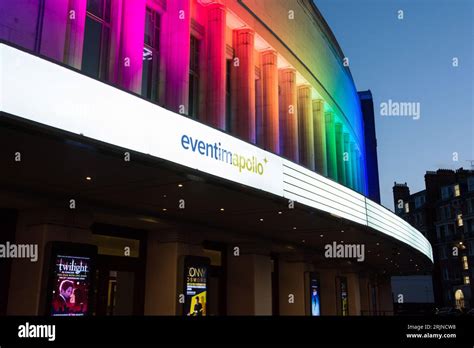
{"points": [[328, 291], [320, 154], [354, 293], [270, 100], [364, 294], [250, 285], [355, 180], [347, 158], [305, 122], [331, 145], [288, 114], [162, 268], [165, 251], [341, 170], [75, 33], [291, 288], [131, 45], [40, 227], [176, 24], [259, 111], [216, 72], [114, 66], [53, 35], [385, 296], [243, 80], [361, 172]]}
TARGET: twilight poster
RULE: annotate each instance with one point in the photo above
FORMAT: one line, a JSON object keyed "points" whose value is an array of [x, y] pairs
{"points": [[71, 286]]}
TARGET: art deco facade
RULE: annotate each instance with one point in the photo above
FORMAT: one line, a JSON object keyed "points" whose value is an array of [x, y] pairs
{"points": [[193, 127]]}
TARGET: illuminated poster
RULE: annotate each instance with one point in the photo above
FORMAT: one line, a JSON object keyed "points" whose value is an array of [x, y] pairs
{"points": [[314, 292], [71, 286], [195, 286], [344, 297]]}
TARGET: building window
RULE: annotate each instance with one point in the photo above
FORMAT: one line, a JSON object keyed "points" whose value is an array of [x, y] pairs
{"points": [[446, 192], [151, 56], [470, 183], [467, 280], [419, 201], [449, 230], [445, 273], [194, 77], [440, 232], [459, 220], [471, 248], [228, 89], [442, 252], [457, 190], [445, 212], [465, 264], [95, 53]]}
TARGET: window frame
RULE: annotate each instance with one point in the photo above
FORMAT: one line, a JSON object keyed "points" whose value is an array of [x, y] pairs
{"points": [[104, 45], [153, 79]]}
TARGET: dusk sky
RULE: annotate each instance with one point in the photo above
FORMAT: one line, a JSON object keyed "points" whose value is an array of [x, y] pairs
{"points": [[411, 60]]}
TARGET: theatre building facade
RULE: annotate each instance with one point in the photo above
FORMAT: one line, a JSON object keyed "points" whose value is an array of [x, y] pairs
{"points": [[189, 157]]}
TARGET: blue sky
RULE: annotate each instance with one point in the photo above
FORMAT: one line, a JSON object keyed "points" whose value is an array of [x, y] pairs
{"points": [[411, 60]]}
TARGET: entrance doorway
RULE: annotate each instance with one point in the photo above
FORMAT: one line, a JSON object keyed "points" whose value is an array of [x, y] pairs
{"points": [[217, 287], [120, 271]]}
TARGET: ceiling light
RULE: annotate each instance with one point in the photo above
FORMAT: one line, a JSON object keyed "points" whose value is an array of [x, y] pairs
{"points": [[180, 185], [222, 209], [321, 235], [294, 228], [164, 209], [88, 178], [280, 213]]}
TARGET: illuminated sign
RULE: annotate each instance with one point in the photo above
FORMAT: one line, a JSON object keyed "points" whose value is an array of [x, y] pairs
{"points": [[195, 286], [343, 296], [64, 99], [68, 279], [215, 151], [71, 286], [314, 291]]}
